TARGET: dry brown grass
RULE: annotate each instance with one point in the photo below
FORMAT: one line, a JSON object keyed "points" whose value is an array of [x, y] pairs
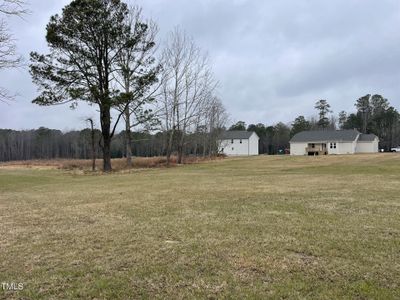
{"points": [[118, 164], [244, 228]]}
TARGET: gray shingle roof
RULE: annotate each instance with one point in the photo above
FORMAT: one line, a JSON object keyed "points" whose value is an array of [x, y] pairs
{"points": [[325, 136], [367, 137], [235, 134]]}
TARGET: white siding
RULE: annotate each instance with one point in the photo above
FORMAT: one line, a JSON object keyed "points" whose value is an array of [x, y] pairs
{"points": [[253, 144], [239, 147], [298, 148], [343, 148], [367, 147]]}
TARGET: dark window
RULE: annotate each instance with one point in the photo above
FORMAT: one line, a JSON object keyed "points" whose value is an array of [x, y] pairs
{"points": [[312, 145], [240, 141], [231, 141]]}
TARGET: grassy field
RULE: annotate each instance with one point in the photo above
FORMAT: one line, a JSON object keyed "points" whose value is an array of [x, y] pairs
{"points": [[262, 227]]}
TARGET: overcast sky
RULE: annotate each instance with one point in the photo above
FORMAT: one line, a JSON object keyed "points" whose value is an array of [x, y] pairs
{"points": [[273, 58]]}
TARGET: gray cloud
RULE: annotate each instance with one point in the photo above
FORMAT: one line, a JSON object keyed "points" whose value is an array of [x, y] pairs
{"points": [[274, 59]]}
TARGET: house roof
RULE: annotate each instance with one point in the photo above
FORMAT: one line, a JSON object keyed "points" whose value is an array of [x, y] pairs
{"points": [[236, 134], [367, 137], [325, 135]]}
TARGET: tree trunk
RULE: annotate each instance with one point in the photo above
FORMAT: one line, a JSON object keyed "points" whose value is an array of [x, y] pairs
{"points": [[169, 146], [196, 145], [105, 130], [181, 148], [93, 154], [210, 147], [204, 146], [128, 138], [93, 150]]}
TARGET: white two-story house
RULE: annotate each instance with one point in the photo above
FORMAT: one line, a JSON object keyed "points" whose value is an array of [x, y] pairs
{"points": [[238, 143]]}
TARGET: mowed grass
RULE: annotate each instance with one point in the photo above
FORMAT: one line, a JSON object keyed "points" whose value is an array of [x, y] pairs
{"points": [[260, 227]]}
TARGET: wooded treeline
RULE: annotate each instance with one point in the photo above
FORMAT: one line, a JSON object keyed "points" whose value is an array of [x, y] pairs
{"points": [[45, 143], [373, 114]]}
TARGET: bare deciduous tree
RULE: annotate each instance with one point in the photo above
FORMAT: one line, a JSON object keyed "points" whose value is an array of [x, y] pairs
{"points": [[137, 76], [188, 86], [216, 119], [8, 55], [13, 7]]}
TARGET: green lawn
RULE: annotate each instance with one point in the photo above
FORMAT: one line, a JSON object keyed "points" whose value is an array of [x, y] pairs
{"points": [[262, 227]]}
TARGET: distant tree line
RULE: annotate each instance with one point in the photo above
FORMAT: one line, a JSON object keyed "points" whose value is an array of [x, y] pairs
{"points": [[45, 143], [373, 114]]}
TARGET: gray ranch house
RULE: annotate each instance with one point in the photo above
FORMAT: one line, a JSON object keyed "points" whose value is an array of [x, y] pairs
{"points": [[238, 143], [333, 142]]}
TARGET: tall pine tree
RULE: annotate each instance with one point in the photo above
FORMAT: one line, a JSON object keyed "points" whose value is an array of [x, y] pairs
{"points": [[85, 43]]}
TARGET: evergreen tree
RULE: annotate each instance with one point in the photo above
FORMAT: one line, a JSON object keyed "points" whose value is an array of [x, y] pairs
{"points": [[364, 108], [342, 119], [300, 124], [323, 110], [85, 43], [238, 126]]}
